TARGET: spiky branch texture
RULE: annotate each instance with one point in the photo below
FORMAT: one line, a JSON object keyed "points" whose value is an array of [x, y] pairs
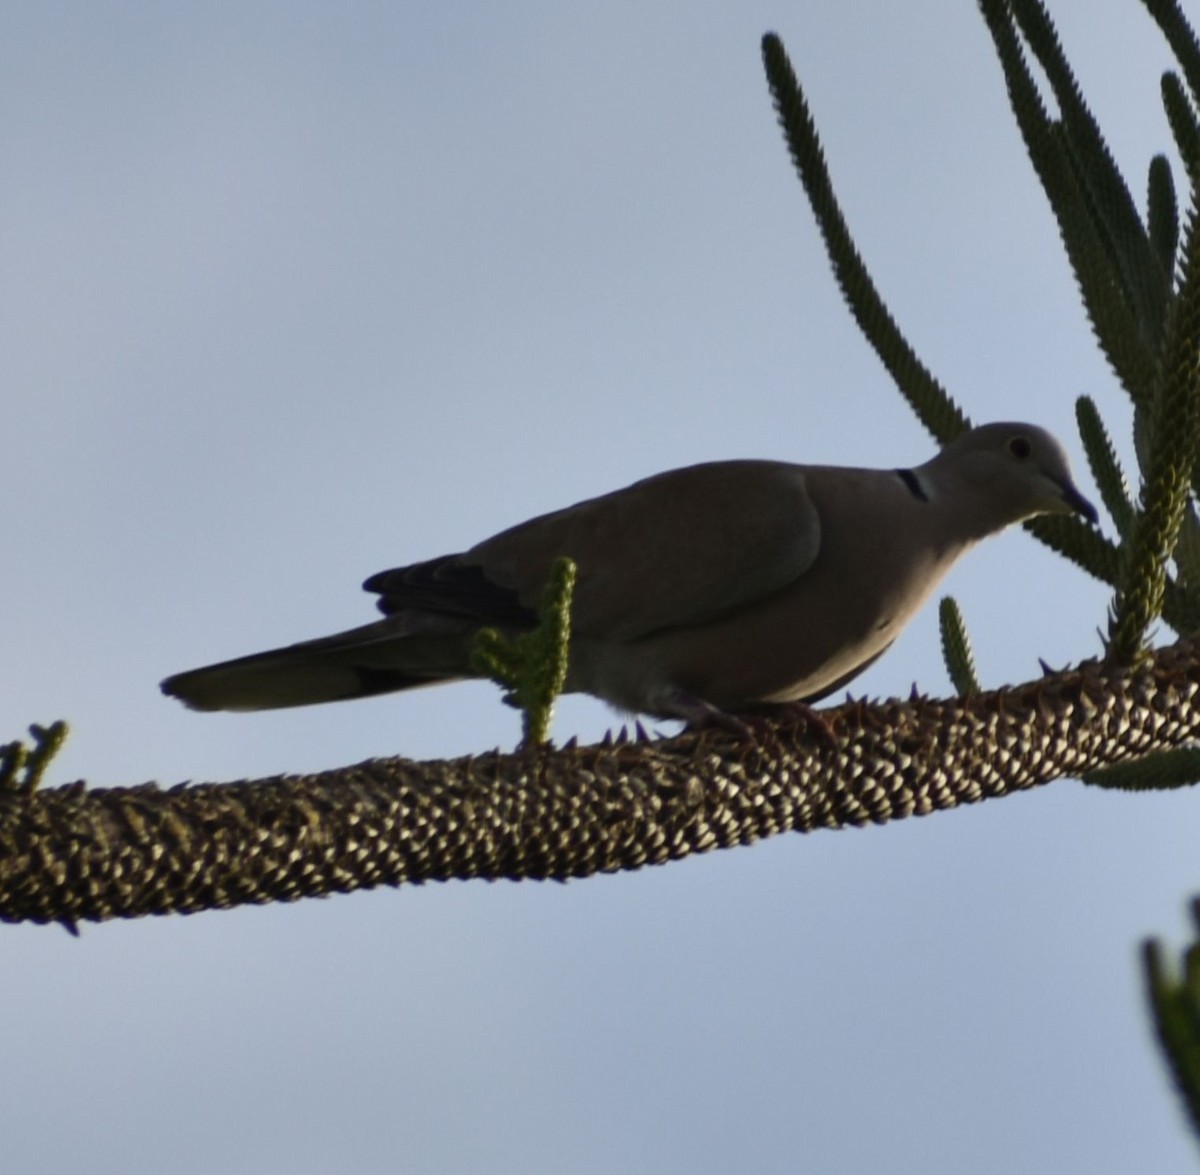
{"points": [[70, 854]]}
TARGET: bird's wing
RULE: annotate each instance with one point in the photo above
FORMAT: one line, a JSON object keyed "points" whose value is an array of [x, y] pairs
{"points": [[672, 550]]}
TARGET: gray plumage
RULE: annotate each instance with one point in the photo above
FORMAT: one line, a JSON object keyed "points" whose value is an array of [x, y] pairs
{"points": [[710, 589]]}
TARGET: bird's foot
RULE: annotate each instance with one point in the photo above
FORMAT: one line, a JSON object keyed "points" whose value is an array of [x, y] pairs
{"points": [[749, 724], [797, 714]]}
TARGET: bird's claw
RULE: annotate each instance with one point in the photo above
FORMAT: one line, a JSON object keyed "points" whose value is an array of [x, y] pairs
{"points": [[749, 725]]}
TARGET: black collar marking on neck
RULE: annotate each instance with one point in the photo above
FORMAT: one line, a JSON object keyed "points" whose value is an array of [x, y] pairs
{"points": [[913, 482]]}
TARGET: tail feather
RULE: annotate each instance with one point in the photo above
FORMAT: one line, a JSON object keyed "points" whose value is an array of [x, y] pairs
{"points": [[359, 663]]}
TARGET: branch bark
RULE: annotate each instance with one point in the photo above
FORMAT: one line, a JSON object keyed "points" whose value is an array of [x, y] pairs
{"points": [[71, 853]]}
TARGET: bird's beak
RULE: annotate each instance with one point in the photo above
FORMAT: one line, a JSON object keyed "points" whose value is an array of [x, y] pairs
{"points": [[1077, 503]]}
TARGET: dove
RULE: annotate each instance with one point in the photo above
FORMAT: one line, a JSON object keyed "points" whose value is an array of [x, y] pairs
{"points": [[701, 593]]}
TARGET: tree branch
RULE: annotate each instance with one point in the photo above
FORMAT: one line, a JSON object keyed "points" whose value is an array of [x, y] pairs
{"points": [[69, 854]]}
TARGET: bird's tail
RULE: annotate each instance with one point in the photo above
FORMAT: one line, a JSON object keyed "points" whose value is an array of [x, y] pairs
{"points": [[374, 659]]}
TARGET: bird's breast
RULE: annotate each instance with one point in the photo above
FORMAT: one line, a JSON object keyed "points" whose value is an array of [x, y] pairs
{"points": [[796, 643]]}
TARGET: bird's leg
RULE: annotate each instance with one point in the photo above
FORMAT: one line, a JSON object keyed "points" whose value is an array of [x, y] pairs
{"points": [[799, 714], [702, 715]]}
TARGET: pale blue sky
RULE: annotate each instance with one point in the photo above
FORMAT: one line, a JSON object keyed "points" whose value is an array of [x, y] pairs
{"points": [[296, 292]]}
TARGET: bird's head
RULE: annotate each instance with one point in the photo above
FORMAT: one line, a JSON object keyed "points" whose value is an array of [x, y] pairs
{"points": [[1007, 472]]}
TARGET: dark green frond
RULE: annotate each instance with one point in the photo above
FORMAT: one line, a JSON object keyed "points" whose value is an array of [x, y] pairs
{"points": [[929, 399], [1101, 558], [956, 648], [1187, 549], [1106, 469], [1080, 543], [22, 767], [1023, 94], [532, 666], [1109, 308], [13, 757], [1181, 608], [1162, 212], [1113, 211], [1174, 998], [1181, 38], [1161, 771], [1182, 118], [1175, 431]]}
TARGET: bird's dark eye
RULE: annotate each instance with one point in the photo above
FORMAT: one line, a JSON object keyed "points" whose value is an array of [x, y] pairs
{"points": [[1020, 447]]}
